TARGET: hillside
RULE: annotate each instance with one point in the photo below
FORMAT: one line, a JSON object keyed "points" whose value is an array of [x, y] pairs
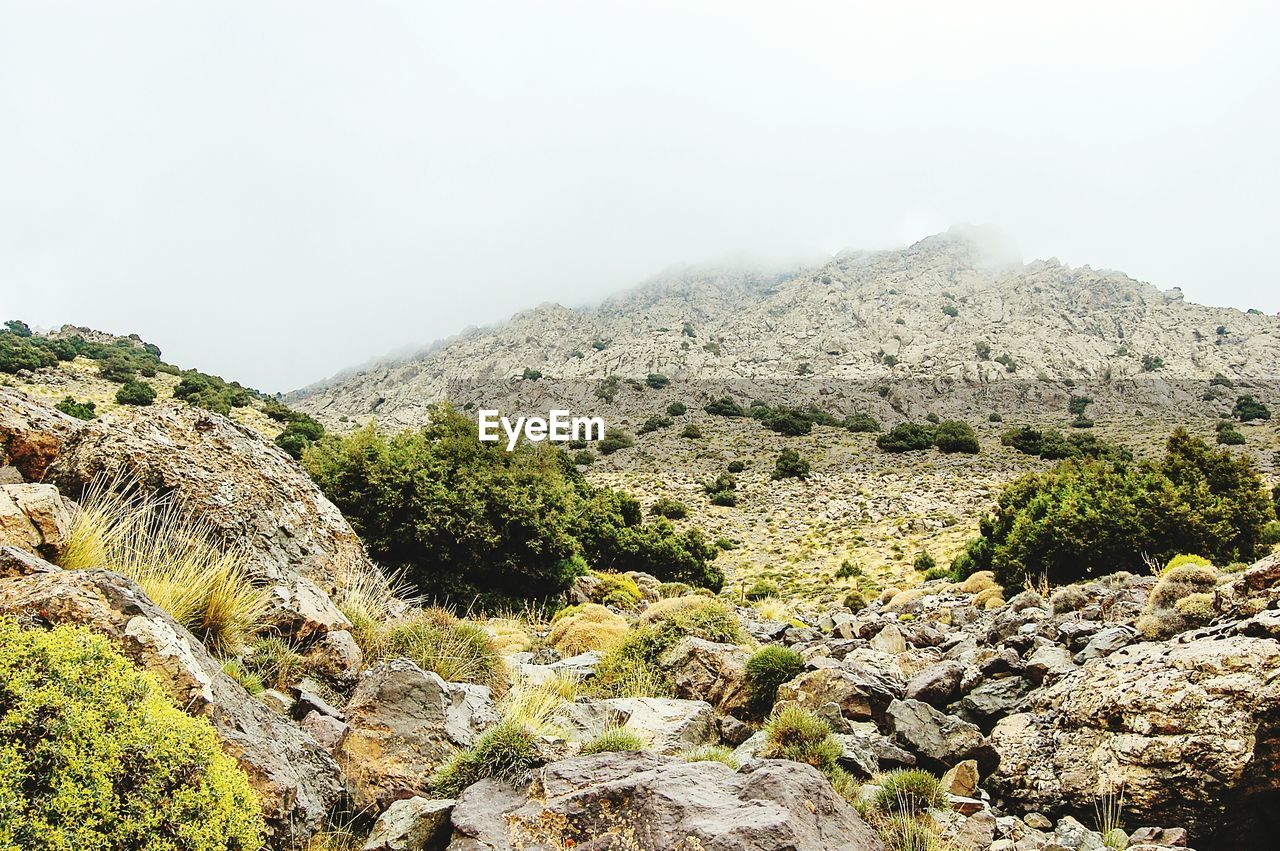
{"points": [[946, 327]]}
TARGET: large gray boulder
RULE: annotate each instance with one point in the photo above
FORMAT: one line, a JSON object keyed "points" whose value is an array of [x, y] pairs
{"points": [[940, 741], [245, 486], [402, 723], [639, 800], [668, 725], [1190, 729], [35, 518], [705, 670], [412, 824], [297, 780]]}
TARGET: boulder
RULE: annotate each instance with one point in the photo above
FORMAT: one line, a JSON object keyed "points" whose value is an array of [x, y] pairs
{"points": [[296, 778], [992, 700], [245, 486], [940, 741], [299, 609], [31, 435], [938, 684], [860, 693], [336, 655], [1105, 642], [705, 670], [669, 725], [35, 518], [413, 824], [402, 723], [640, 800], [1190, 729], [15, 562]]}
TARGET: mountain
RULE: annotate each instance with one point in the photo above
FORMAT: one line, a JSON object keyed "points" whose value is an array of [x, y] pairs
{"points": [[952, 310]]}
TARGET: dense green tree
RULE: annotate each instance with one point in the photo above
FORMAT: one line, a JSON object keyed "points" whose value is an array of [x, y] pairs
{"points": [[955, 436], [1248, 408], [79, 410], [906, 437], [134, 392], [790, 465], [1086, 517]]}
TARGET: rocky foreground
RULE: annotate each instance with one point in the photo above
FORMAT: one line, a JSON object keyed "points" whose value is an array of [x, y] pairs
{"points": [[1041, 714]]}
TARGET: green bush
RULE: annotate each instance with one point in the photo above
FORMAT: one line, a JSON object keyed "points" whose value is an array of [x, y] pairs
{"points": [[955, 436], [736, 466], [1010, 365], [848, 569], [530, 374], [300, 431], [788, 421], [762, 588], [1228, 435], [768, 668], [801, 736], [507, 752], [93, 757], [983, 349], [861, 422], [1271, 534], [211, 392], [79, 410], [1150, 363], [135, 393], [615, 739], [924, 561], [653, 424], [906, 437], [1087, 517], [724, 407], [614, 439], [1053, 445], [790, 466], [656, 380], [676, 409], [1248, 408], [950, 310], [909, 791], [728, 499], [692, 432], [672, 509]]}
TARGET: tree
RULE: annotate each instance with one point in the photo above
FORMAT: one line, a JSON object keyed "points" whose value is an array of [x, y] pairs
{"points": [[724, 407], [1248, 408], [18, 328], [1088, 516], [955, 436], [906, 437], [134, 392], [79, 410]]}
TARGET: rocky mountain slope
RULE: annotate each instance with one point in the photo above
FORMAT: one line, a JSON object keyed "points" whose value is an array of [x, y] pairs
{"points": [[947, 310]]}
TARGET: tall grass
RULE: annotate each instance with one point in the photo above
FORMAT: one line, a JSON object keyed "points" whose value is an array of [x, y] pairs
{"points": [[179, 560], [370, 598]]}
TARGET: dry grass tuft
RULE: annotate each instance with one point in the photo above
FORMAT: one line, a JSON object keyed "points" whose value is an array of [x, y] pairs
{"points": [[588, 627], [179, 560]]}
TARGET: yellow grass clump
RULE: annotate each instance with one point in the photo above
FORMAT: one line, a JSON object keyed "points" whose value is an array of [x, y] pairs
{"points": [[178, 559], [587, 627], [978, 582]]}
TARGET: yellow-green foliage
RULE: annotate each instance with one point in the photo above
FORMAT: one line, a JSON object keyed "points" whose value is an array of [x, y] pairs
{"points": [[435, 640], [533, 705], [370, 598], [1196, 607], [615, 739], [630, 667], [274, 662], [507, 752], [1180, 560], [711, 753], [577, 629], [989, 598], [909, 833], [797, 734], [978, 582], [908, 792], [251, 680], [179, 560], [93, 757], [617, 590]]}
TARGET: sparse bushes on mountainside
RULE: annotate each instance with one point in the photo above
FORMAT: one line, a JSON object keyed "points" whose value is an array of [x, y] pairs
{"points": [[300, 430], [676, 409], [672, 509], [211, 392], [1087, 517], [1228, 435], [525, 524], [1053, 445], [94, 757], [614, 440], [724, 407], [653, 424], [860, 422]]}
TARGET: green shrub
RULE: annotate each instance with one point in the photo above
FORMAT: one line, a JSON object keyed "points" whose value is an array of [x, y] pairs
{"points": [[861, 422], [210, 392], [79, 410], [1150, 363], [584, 458], [614, 439], [955, 436], [653, 424], [790, 466], [692, 432], [722, 482], [672, 509], [1053, 445], [631, 667], [909, 791], [94, 757], [711, 753], [906, 437], [615, 739], [1248, 408], [1090, 517], [299, 432], [736, 466], [457, 650], [937, 573], [788, 421], [530, 374], [854, 601], [656, 380], [1271, 533], [768, 668], [724, 407], [848, 569], [274, 662], [526, 524], [924, 561], [950, 310], [983, 349], [801, 736], [1010, 365], [507, 752], [676, 409], [135, 393], [762, 588]]}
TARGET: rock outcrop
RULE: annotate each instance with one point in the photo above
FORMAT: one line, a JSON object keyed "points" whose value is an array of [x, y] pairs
{"points": [[35, 518], [612, 799]]}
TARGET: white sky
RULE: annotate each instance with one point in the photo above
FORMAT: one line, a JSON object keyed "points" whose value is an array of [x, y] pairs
{"points": [[274, 191]]}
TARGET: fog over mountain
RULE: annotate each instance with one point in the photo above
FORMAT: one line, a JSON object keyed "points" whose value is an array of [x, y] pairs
{"points": [[278, 196]]}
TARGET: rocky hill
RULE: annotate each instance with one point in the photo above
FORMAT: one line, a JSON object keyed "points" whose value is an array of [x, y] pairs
{"points": [[948, 311]]}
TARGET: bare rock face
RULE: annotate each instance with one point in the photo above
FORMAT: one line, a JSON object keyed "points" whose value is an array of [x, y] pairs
{"points": [[31, 436], [412, 824], [295, 777], [611, 799], [402, 723], [1189, 727], [250, 490], [35, 518], [705, 670], [860, 693]]}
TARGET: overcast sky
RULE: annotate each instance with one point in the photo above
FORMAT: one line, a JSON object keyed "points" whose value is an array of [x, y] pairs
{"points": [[275, 191]]}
